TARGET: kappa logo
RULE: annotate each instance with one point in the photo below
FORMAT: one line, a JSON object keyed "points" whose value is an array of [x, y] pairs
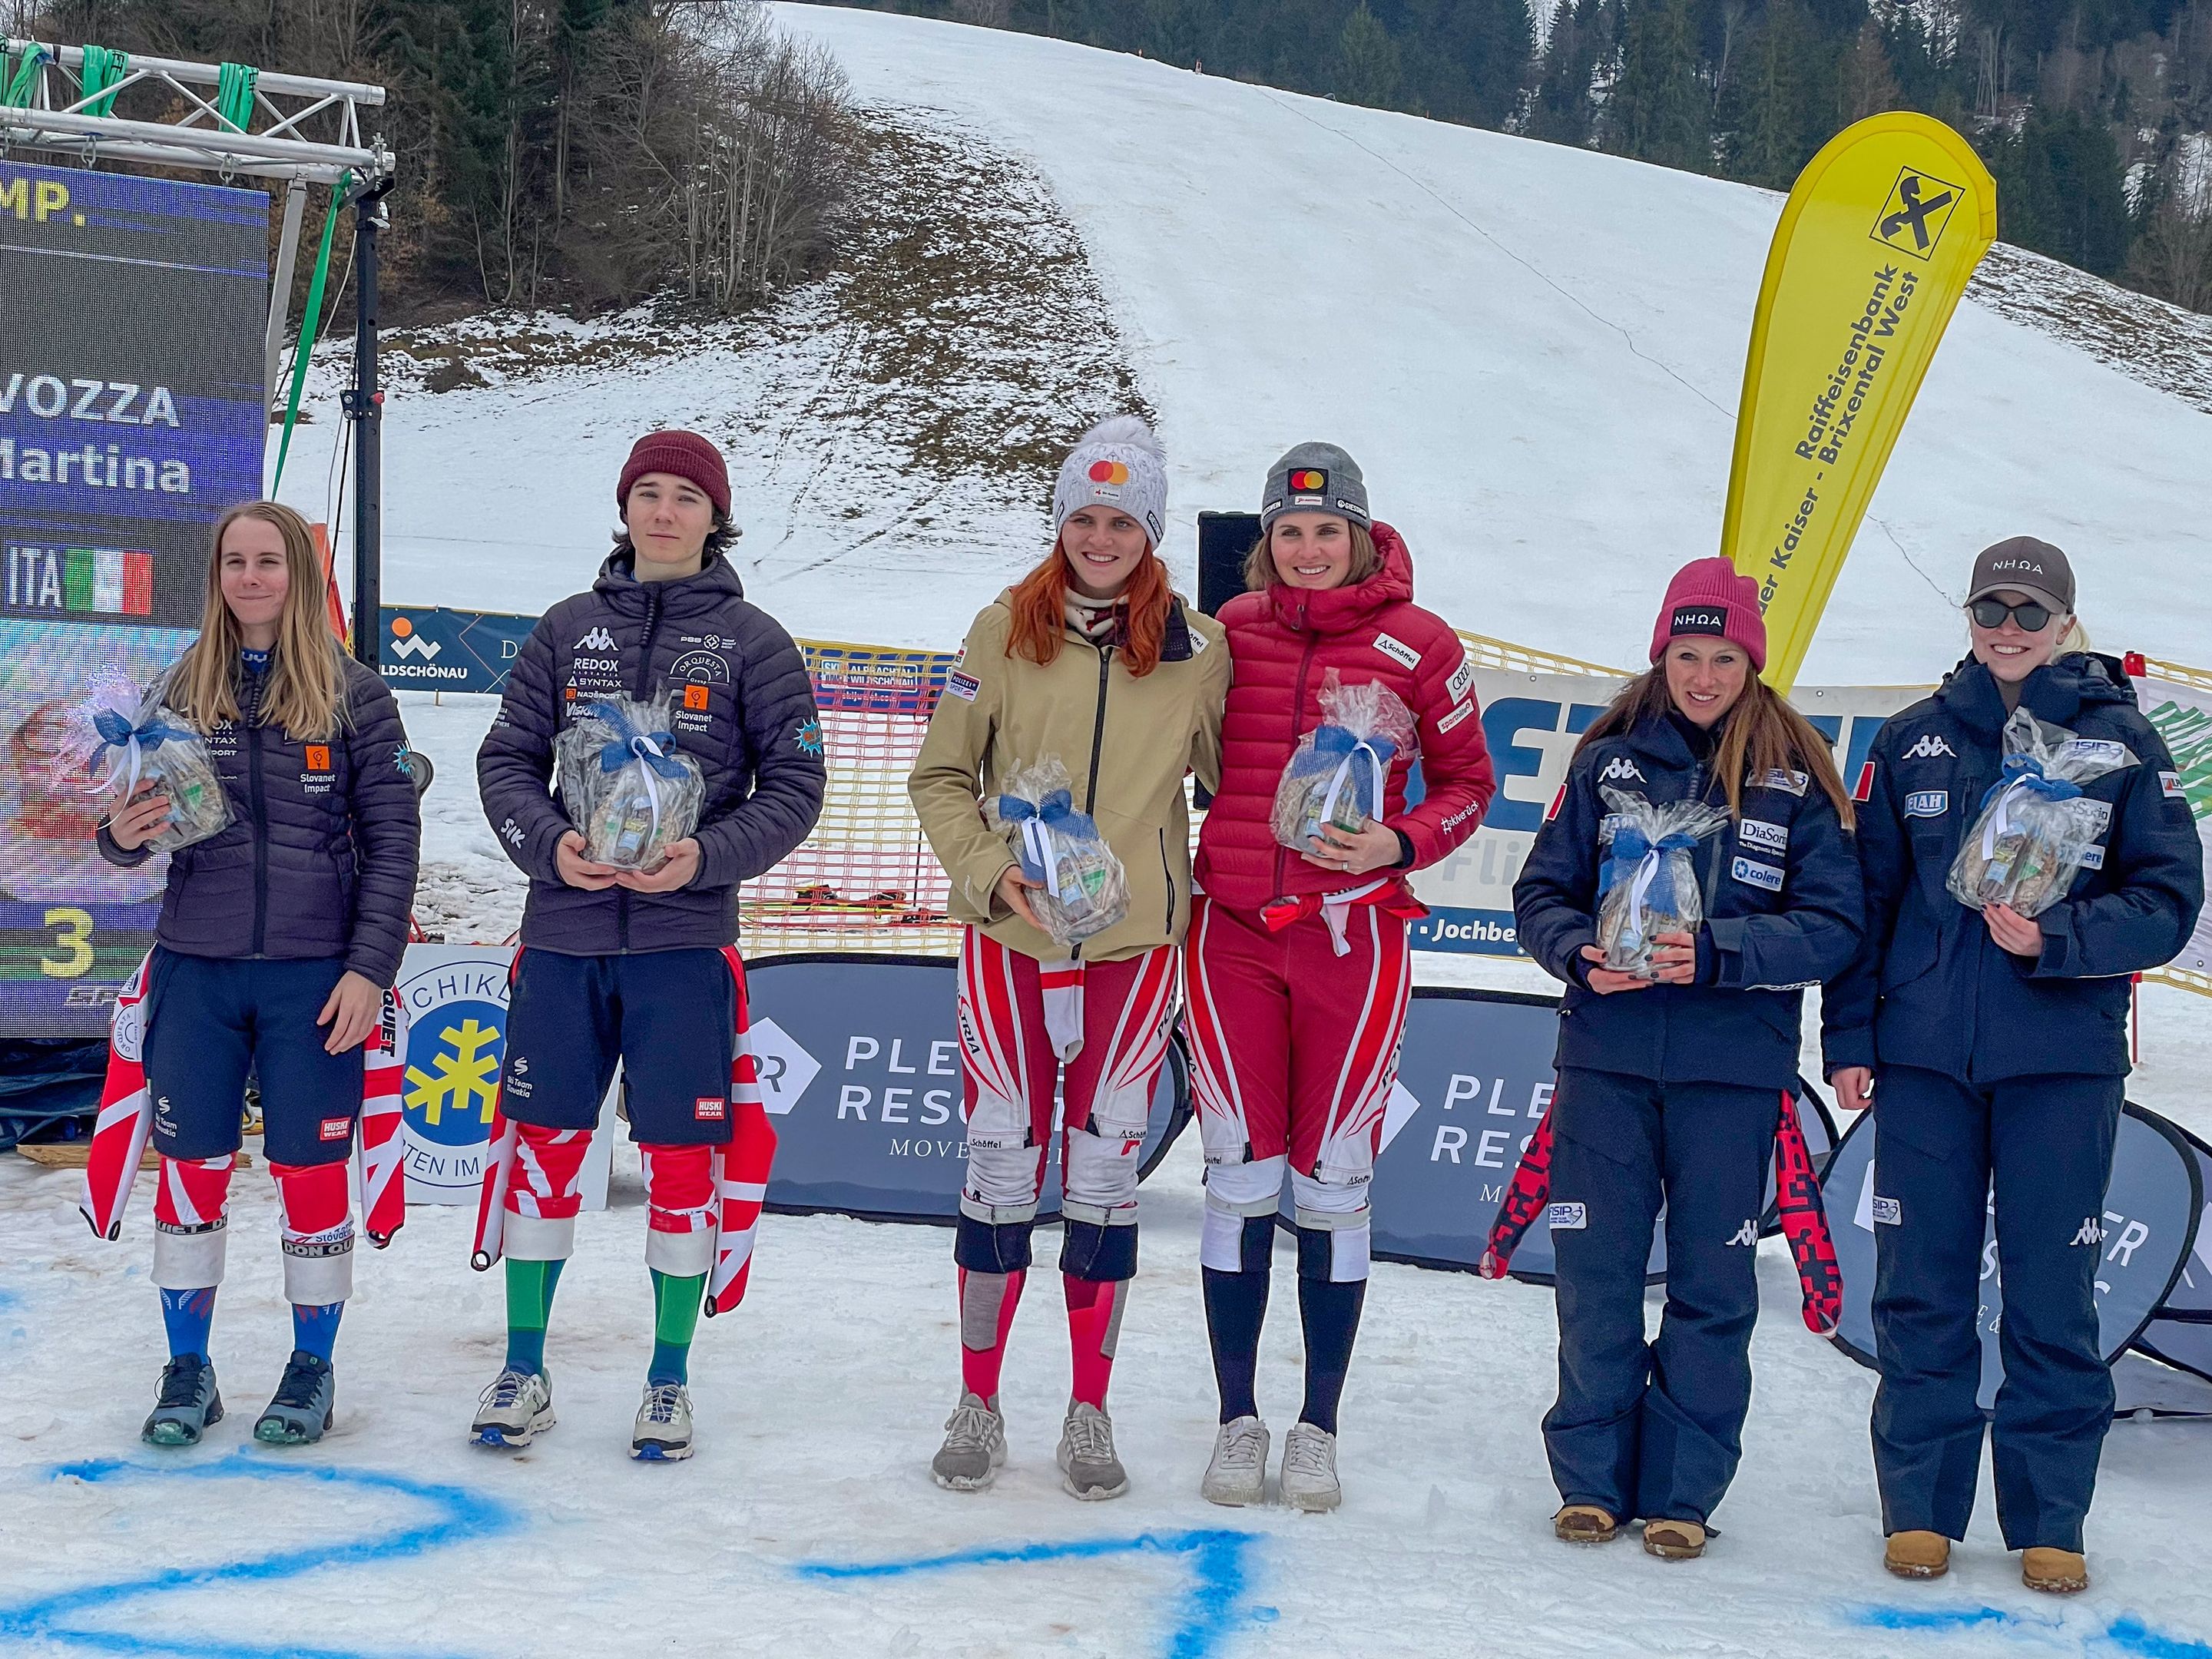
{"points": [[595, 639], [1747, 1234], [2091, 1232], [1620, 767], [1931, 746], [1566, 1217]]}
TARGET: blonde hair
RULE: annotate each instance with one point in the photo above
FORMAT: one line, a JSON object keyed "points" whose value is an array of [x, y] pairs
{"points": [[2075, 638], [306, 691], [1259, 571]]}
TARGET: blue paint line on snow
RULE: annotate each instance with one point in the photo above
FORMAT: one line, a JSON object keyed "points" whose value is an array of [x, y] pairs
{"points": [[458, 1517], [2128, 1636], [1210, 1609]]}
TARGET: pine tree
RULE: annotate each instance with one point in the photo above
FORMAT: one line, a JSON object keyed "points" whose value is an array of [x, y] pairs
{"points": [[1562, 109], [1368, 69], [1659, 111]]}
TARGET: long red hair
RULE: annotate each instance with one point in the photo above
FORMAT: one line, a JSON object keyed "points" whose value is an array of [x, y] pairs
{"points": [[1039, 606]]}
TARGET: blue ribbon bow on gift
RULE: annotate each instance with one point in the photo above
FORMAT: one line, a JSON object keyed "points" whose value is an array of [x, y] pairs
{"points": [[1040, 821], [1638, 860], [653, 748], [1337, 742], [2023, 775], [135, 741]]}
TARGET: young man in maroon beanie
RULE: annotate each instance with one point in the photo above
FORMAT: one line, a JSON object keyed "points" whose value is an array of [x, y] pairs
{"points": [[629, 964]]}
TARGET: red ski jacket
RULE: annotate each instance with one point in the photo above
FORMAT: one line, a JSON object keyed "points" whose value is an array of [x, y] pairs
{"points": [[1282, 642]]}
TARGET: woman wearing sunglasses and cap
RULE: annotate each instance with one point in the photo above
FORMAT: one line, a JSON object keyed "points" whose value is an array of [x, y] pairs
{"points": [[1993, 1046]]}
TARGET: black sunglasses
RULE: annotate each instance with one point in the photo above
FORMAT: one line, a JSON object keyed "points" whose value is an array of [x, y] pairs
{"points": [[2033, 618]]}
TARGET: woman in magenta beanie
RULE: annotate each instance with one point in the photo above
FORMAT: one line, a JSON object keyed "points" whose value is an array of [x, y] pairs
{"points": [[1674, 1059]]}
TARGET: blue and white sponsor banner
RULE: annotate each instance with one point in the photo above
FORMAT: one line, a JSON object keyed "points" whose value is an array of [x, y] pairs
{"points": [[860, 1068], [1532, 723], [2147, 1228], [2181, 1334], [432, 648]]}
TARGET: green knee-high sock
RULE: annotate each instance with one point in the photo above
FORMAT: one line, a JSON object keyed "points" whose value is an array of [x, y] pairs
{"points": [[676, 1305], [529, 1301]]}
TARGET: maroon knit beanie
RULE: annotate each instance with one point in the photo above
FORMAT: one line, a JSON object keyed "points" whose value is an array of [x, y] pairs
{"points": [[1708, 597], [683, 454]]}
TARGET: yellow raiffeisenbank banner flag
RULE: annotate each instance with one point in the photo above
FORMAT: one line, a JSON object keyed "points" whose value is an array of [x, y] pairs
{"points": [[1885, 226]]}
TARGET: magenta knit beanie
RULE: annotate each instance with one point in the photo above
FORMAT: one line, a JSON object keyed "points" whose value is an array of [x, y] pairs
{"points": [[1708, 597]]}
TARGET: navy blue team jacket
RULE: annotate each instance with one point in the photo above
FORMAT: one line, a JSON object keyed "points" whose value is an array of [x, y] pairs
{"points": [[1931, 988], [1781, 889]]}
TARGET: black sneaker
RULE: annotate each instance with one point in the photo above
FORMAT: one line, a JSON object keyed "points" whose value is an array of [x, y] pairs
{"points": [[188, 1405], [303, 1406]]}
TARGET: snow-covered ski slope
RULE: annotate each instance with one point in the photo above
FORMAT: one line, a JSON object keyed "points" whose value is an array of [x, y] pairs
{"points": [[1536, 353]]}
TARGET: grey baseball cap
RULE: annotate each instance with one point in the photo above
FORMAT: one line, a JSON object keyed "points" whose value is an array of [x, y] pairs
{"points": [[1315, 479], [2021, 564]]}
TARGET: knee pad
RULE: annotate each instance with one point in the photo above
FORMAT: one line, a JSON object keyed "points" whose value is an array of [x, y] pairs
{"points": [[1100, 1252], [1002, 1183], [1253, 1188], [985, 1246], [679, 1196], [1232, 1243], [1100, 1178], [1332, 1229], [543, 1195], [192, 1221], [318, 1230]]}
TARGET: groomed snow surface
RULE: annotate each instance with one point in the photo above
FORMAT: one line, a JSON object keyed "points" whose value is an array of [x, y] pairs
{"points": [[819, 1403]]}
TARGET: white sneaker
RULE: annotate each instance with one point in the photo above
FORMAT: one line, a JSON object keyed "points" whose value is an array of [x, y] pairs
{"points": [[663, 1434], [1089, 1469], [513, 1411], [975, 1446], [1238, 1473], [1309, 1470]]}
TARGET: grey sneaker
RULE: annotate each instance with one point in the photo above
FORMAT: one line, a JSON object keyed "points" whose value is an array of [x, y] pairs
{"points": [[515, 1410], [1309, 1470], [305, 1404], [1238, 1473], [187, 1406], [663, 1434], [975, 1446], [1089, 1469]]}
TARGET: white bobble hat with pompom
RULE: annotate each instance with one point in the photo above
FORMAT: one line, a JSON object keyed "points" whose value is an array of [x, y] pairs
{"points": [[1118, 463]]}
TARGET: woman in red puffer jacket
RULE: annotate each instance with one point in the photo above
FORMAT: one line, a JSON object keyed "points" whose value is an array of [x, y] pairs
{"points": [[1297, 966]]}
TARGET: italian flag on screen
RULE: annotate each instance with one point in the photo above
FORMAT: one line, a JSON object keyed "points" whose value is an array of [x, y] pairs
{"points": [[107, 579]]}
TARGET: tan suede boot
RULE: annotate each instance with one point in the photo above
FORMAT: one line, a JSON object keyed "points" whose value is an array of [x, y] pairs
{"points": [[1674, 1540], [1917, 1554], [2058, 1573], [1585, 1523]]}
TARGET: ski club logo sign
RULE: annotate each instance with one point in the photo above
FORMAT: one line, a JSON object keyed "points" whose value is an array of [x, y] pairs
{"points": [[456, 999], [1913, 219], [2143, 1236], [858, 1059]]}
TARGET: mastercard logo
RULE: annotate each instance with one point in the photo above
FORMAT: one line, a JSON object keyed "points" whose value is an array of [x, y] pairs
{"points": [[1307, 480], [1109, 473]]}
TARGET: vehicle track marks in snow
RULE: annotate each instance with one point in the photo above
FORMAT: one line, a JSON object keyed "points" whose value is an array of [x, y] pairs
{"points": [[1209, 1611], [458, 1517], [2125, 1635]]}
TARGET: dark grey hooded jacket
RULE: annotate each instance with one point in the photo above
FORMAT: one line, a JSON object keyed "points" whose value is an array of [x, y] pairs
{"points": [[758, 740]]}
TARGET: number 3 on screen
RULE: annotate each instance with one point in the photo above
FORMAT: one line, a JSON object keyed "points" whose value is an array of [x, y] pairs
{"points": [[73, 938]]}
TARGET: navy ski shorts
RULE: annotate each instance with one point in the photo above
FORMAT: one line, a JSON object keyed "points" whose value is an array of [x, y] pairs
{"points": [[666, 1015], [213, 1019]]}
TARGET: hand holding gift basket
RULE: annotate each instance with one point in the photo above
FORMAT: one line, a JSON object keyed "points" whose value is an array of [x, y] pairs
{"points": [[1648, 883], [137, 745], [2036, 827], [1339, 773], [628, 789], [1080, 889]]}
